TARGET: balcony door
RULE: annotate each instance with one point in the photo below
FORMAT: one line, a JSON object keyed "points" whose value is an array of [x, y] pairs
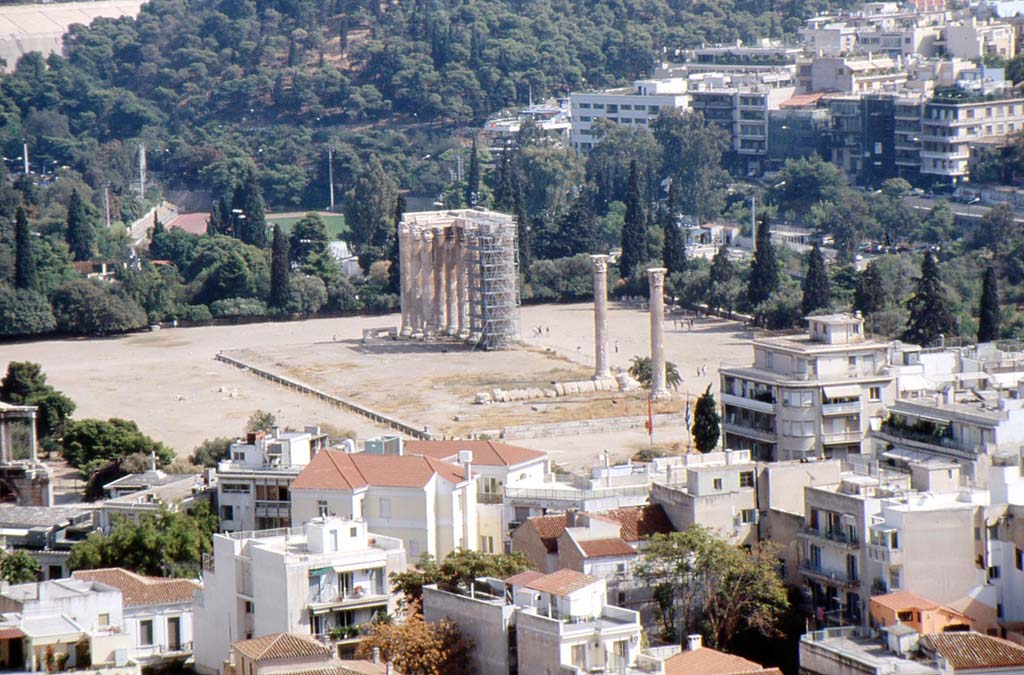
{"points": [[174, 633]]}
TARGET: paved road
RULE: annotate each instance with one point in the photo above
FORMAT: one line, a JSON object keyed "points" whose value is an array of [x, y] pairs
{"points": [[972, 211]]}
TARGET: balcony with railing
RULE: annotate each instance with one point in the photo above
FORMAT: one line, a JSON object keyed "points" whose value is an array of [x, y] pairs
{"points": [[830, 576], [841, 408], [489, 498], [348, 598], [885, 555], [839, 537], [830, 437], [764, 403]]}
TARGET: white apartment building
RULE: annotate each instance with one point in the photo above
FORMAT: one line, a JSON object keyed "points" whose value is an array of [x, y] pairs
{"points": [[497, 466], [950, 126], [809, 395], [430, 505], [323, 580], [638, 106], [157, 613], [974, 39], [252, 484], [865, 74], [561, 623]]}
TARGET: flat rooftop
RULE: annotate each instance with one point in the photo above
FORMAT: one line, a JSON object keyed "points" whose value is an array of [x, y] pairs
{"points": [[845, 643], [39, 516]]}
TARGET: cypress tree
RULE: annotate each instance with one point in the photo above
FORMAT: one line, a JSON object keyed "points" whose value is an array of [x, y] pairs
{"points": [[930, 316], [720, 289], [869, 295], [634, 227], [523, 235], [24, 261], [158, 227], [80, 236], [253, 228], [394, 253], [706, 422], [764, 268], [988, 311], [472, 195], [280, 286], [817, 291], [673, 251]]}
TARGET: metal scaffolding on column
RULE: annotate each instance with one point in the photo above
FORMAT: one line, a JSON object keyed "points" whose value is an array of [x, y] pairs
{"points": [[493, 256]]}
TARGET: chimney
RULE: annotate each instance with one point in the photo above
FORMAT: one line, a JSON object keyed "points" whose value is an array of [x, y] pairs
{"points": [[152, 460], [275, 431], [570, 517], [466, 460], [389, 668], [376, 654], [694, 642]]}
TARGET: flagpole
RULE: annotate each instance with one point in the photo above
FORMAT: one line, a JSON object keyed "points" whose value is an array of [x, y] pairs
{"points": [[650, 425]]}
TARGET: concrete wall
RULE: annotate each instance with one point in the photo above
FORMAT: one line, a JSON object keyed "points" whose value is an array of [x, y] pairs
{"points": [[526, 541], [780, 485], [538, 645], [486, 623], [939, 554], [159, 615]]}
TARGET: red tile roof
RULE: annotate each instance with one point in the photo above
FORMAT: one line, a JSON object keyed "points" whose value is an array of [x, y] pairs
{"points": [[901, 600], [707, 661], [333, 470], [523, 578], [139, 591], [549, 529], [485, 453], [281, 646], [604, 548], [194, 223], [640, 522], [562, 582], [973, 651]]}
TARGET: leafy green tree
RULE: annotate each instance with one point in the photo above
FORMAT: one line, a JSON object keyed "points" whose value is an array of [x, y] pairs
{"points": [[807, 181], [25, 384], [816, 287], [19, 567], [869, 295], [998, 230], [634, 228], [307, 294], [280, 274], [561, 279], [24, 259], [702, 583], [459, 568], [608, 161], [640, 370], [692, 156], [167, 543], [308, 237], [25, 312], [418, 647], [260, 420], [394, 254], [80, 235], [472, 196], [929, 307], [88, 442], [723, 289], [764, 267], [84, 307], [370, 209], [211, 451], [939, 226], [706, 422], [673, 252], [988, 311]]}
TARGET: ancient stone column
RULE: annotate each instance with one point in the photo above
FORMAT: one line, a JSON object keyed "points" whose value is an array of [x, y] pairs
{"points": [[600, 316], [32, 436], [415, 289], [656, 280], [451, 275], [6, 451], [462, 272], [405, 288], [426, 281], [440, 284]]}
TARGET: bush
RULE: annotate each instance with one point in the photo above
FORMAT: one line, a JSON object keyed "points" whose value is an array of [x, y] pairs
{"points": [[308, 294], [238, 307], [342, 296], [86, 307], [196, 313], [24, 312], [89, 441], [562, 279]]}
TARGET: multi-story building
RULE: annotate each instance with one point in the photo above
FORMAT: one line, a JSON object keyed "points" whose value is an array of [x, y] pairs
{"points": [[497, 466], [540, 623], [252, 484], [637, 106], [954, 120], [974, 39], [156, 611], [430, 505], [808, 395], [46, 533], [863, 140], [323, 580], [851, 74]]}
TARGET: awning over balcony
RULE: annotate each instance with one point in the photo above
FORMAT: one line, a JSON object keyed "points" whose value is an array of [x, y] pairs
{"points": [[915, 383], [842, 391]]}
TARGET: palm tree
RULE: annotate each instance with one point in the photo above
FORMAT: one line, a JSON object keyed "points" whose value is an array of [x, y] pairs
{"points": [[640, 370]]}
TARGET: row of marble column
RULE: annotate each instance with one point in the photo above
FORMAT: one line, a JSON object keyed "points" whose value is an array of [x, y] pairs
{"points": [[434, 281], [656, 281]]}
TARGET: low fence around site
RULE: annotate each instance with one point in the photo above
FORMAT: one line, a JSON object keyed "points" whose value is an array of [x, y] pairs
{"points": [[662, 420], [380, 418]]}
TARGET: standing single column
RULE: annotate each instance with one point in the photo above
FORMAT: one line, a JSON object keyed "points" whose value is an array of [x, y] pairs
{"points": [[451, 275], [404, 287], [32, 436], [601, 370], [427, 281], [6, 451], [440, 306], [462, 275], [415, 286], [656, 280]]}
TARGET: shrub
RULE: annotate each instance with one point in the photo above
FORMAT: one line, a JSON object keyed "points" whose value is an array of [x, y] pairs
{"points": [[238, 307]]}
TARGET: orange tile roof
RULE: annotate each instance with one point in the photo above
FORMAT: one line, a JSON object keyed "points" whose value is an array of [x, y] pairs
{"points": [[562, 582], [485, 453], [974, 651], [139, 591], [523, 578], [281, 646], [640, 522], [333, 470], [549, 529], [707, 661], [901, 600], [604, 548]]}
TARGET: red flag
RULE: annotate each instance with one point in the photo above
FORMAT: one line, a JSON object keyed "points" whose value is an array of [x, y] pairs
{"points": [[650, 418]]}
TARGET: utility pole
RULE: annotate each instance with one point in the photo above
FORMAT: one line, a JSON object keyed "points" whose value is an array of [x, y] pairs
{"points": [[753, 220], [24, 156], [142, 170], [106, 203], [330, 172], [459, 158]]}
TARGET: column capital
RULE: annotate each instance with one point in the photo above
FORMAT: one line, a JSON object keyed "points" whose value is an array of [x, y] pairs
{"points": [[427, 235], [600, 263], [656, 275]]}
